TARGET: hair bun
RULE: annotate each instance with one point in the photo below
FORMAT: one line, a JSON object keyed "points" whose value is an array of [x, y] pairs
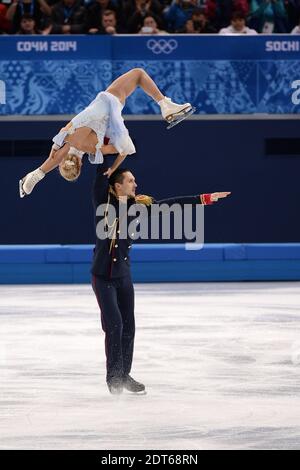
{"points": [[69, 164]]}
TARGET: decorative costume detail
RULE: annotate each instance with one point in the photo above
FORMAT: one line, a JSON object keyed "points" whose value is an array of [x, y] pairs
{"points": [[144, 199], [206, 199]]}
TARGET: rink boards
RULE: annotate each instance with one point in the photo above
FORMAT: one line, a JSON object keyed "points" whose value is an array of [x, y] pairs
{"points": [[42, 264]]}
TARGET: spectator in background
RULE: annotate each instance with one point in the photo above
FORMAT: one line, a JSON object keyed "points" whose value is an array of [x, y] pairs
{"points": [[179, 13], [38, 9], [220, 12], [293, 12], [237, 26], [296, 30], [27, 25], [68, 17], [268, 16], [107, 24], [199, 24], [150, 26], [5, 24], [136, 11], [96, 9]]}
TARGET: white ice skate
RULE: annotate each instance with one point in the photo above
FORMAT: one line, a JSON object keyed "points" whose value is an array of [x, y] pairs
{"points": [[174, 113], [29, 181]]}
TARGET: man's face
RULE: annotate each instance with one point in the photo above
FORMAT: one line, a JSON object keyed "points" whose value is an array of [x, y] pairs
{"points": [[108, 20], [189, 27], [69, 3], [128, 187], [103, 3], [27, 24], [238, 24], [199, 18]]}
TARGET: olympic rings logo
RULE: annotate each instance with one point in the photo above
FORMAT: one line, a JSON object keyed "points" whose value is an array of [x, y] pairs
{"points": [[162, 46]]}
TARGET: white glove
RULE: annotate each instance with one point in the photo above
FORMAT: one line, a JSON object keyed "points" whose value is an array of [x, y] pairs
{"points": [[27, 183]]}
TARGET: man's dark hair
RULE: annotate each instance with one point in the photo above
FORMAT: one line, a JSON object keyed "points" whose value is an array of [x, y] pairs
{"points": [[108, 13], [117, 176], [27, 16], [238, 15]]}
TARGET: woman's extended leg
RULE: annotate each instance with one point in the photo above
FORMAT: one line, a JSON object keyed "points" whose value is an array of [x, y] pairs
{"points": [[123, 86]]}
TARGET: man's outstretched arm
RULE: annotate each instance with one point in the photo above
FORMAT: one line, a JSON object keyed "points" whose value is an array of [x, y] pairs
{"points": [[204, 199]]}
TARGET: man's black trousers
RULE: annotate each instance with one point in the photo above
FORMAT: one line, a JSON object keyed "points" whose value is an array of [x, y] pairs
{"points": [[116, 301]]}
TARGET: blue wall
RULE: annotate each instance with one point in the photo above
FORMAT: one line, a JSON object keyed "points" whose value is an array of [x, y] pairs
{"points": [[231, 75], [197, 156]]}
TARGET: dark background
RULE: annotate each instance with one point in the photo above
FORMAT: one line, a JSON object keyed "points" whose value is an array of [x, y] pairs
{"points": [[258, 160]]}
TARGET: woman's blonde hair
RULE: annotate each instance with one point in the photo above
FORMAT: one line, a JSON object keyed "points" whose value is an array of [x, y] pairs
{"points": [[70, 167]]}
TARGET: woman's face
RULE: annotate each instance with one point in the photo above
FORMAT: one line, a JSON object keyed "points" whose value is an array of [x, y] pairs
{"points": [[150, 22]]}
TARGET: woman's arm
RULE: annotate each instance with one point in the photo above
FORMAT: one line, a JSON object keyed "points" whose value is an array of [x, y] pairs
{"points": [[10, 13], [55, 158], [45, 8], [120, 158]]}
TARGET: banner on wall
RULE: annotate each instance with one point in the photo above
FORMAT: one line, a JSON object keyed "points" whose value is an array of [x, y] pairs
{"points": [[220, 75]]}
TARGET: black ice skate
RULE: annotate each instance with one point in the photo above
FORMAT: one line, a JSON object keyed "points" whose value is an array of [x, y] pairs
{"points": [[115, 386], [133, 386]]}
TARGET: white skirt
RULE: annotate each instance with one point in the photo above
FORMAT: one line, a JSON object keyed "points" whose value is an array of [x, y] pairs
{"points": [[104, 117]]}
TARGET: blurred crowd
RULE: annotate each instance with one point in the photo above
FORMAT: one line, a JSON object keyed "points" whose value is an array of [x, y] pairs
{"points": [[159, 17]]}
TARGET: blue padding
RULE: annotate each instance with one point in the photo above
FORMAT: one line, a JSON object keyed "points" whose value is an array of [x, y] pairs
{"points": [[154, 263], [176, 252], [271, 251], [57, 254], [36, 274], [22, 254], [234, 252], [80, 253], [214, 271]]}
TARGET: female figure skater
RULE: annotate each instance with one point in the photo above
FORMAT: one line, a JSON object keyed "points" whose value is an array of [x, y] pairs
{"points": [[85, 133]]}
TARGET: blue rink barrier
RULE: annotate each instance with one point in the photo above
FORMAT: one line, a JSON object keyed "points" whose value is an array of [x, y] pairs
{"points": [[67, 264]]}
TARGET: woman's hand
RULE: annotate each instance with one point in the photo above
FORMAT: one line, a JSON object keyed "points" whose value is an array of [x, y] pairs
{"points": [[108, 172]]}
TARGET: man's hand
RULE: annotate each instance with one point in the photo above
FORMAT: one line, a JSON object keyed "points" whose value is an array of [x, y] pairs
{"points": [[216, 196], [110, 30]]}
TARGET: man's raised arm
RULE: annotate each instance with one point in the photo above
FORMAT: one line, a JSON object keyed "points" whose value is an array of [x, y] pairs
{"points": [[100, 186]]}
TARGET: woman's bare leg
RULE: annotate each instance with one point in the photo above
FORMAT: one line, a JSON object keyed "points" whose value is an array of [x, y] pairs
{"points": [[123, 86]]}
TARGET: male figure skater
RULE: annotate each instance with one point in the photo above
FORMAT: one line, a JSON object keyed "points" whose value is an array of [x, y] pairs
{"points": [[112, 282]]}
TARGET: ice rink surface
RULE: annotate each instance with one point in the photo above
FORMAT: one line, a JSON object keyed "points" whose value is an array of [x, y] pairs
{"points": [[221, 362]]}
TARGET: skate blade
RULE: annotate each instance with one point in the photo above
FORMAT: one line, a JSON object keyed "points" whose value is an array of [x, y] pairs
{"points": [[181, 117], [135, 394], [21, 190]]}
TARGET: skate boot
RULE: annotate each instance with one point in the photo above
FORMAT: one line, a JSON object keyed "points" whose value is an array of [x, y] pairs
{"points": [[174, 113], [29, 181], [115, 386], [133, 386]]}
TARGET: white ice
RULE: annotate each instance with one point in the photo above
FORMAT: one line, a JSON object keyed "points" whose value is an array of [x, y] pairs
{"points": [[220, 362]]}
